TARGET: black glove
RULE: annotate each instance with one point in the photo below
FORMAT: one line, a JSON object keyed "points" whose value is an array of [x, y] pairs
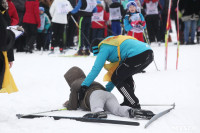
{"points": [[81, 92], [69, 13]]}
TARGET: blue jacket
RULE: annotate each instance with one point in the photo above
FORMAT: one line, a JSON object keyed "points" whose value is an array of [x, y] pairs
{"points": [[81, 5], [45, 23], [127, 23], [128, 48]]}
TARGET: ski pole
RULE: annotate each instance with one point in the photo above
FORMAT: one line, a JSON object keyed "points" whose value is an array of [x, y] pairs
{"points": [[80, 30], [158, 105], [148, 42], [145, 33], [105, 28], [167, 33], [178, 41], [155, 65], [43, 112]]}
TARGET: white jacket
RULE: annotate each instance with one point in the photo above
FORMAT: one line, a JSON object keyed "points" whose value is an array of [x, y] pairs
{"points": [[59, 10]]}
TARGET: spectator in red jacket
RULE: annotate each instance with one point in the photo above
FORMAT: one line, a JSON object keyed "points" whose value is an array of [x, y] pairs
{"points": [[12, 13], [99, 21], [31, 22]]}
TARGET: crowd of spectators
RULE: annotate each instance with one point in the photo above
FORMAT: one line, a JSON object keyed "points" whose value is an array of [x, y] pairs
{"points": [[55, 23]]}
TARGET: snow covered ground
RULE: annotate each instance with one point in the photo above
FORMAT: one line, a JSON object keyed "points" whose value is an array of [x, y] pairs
{"points": [[42, 87]]}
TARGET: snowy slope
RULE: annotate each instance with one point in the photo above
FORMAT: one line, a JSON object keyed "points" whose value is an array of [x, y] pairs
{"points": [[42, 87]]}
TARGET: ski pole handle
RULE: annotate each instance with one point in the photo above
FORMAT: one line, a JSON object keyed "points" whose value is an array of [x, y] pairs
{"points": [[105, 28]]}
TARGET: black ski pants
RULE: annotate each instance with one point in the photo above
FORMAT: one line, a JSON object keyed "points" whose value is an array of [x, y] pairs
{"points": [[57, 34], [84, 32], [122, 76], [40, 41], [2, 69], [31, 34], [70, 31], [153, 24]]}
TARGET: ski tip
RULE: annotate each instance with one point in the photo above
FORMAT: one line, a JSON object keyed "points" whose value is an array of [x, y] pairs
{"points": [[19, 116], [63, 109]]}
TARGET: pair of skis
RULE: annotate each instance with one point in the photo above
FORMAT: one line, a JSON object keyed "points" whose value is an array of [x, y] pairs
{"points": [[82, 119], [96, 120]]}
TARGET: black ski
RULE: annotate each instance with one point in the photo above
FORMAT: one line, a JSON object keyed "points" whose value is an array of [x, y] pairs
{"points": [[155, 117], [95, 120]]}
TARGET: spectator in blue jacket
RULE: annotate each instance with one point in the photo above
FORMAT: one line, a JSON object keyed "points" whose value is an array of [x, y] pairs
{"points": [[42, 30]]}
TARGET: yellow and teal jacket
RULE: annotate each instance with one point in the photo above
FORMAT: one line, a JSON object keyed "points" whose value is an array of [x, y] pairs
{"points": [[114, 49]]}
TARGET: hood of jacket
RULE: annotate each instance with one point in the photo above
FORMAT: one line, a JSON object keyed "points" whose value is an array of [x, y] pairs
{"points": [[74, 74]]}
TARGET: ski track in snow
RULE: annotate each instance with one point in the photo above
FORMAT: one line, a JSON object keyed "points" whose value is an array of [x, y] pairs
{"points": [[42, 87]]}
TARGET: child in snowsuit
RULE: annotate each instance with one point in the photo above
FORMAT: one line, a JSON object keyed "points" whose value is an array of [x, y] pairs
{"points": [[99, 21], [127, 56], [134, 22], [59, 10], [42, 30], [96, 99]]}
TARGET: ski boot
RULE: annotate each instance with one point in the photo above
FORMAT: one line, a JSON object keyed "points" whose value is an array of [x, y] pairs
{"points": [[140, 114], [52, 50], [62, 51], [136, 106], [28, 49], [87, 52], [100, 114], [80, 52]]}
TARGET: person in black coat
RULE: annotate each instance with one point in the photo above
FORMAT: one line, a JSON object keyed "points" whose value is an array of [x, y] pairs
{"points": [[70, 32], [190, 10], [117, 12], [7, 40]]}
